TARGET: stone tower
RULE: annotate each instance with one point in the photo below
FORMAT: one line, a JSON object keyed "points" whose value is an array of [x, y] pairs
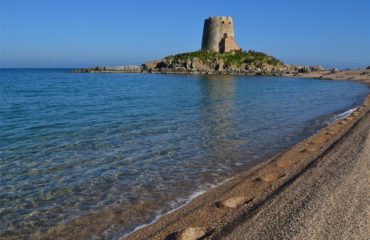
{"points": [[218, 35]]}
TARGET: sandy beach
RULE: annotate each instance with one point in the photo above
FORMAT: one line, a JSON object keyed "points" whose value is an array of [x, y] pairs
{"points": [[185, 120], [318, 189]]}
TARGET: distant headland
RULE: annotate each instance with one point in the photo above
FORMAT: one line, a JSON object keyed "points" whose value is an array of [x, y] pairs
{"points": [[219, 54]]}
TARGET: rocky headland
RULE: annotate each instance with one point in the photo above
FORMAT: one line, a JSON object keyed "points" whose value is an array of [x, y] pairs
{"points": [[231, 63], [205, 62]]}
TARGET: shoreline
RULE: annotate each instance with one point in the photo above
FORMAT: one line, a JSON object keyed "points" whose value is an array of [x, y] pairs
{"points": [[207, 214], [214, 204]]}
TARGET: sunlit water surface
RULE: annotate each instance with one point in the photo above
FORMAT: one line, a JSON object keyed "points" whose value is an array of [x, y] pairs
{"points": [[105, 153]]}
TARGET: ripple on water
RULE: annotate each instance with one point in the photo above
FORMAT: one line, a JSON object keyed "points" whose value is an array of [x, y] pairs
{"points": [[101, 154]]}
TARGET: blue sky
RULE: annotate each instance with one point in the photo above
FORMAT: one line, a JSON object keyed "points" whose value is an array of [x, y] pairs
{"points": [[79, 33]]}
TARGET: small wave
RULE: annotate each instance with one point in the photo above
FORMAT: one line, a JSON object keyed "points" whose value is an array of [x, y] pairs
{"points": [[189, 199], [342, 115]]}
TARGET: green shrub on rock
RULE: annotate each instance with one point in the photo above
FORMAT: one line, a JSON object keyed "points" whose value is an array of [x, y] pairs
{"points": [[236, 58]]}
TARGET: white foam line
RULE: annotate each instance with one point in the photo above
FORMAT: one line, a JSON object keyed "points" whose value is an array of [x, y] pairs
{"points": [[190, 198], [343, 114]]}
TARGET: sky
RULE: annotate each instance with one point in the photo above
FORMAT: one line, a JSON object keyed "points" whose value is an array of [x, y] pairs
{"points": [[81, 33]]}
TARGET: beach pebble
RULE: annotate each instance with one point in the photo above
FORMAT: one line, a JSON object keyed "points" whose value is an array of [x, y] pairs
{"points": [[268, 177], [235, 202], [191, 233]]}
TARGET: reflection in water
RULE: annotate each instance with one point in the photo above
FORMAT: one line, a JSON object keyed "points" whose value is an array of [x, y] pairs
{"points": [[217, 112], [94, 156]]}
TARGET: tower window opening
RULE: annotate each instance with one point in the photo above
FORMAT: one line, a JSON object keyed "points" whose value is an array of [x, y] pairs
{"points": [[223, 22]]}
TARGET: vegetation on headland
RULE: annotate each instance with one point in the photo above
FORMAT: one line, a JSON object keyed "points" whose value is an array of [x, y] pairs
{"points": [[236, 58], [206, 62]]}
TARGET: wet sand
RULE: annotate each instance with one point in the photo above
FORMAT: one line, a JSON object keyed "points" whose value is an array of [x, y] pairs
{"points": [[318, 189]]}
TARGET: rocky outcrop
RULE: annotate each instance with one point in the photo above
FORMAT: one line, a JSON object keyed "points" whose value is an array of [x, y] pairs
{"points": [[307, 69], [203, 62], [150, 66], [127, 68], [334, 70], [197, 66]]}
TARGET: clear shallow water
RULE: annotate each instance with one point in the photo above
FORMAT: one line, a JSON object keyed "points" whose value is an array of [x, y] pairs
{"points": [[104, 153]]}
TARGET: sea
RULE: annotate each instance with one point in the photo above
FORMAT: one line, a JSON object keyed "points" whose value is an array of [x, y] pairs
{"points": [[105, 153]]}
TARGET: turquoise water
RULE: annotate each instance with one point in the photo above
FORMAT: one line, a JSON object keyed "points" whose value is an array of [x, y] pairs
{"points": [[113, 151]]}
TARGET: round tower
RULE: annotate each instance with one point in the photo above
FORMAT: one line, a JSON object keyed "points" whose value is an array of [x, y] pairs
{"points": [[218, 35]]}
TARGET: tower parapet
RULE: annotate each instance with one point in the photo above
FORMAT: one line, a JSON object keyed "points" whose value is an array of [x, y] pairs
{"points": [[218, 35]]}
